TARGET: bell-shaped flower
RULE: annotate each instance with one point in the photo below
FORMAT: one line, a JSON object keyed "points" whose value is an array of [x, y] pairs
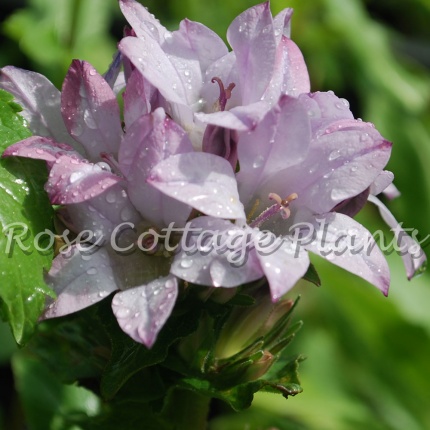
{"points": [[105, 196], [303, 170], [202, 82]]}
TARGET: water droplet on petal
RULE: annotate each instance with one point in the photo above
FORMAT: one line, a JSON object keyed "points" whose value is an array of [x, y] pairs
{"points": [[258, 162], [122, 312], [334, 155], [110, 197], [186, 263]]}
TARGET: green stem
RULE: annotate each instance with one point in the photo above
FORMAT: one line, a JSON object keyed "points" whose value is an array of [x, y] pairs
{"points": [[187, 410]]}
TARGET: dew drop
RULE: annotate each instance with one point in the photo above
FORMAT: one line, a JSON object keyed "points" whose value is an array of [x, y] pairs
{"points": [[334, 155], [126, 214], [364, 137], [258, 162], [111, 197], [122, 313], [75, 176], [92, 271], [186, 264]]}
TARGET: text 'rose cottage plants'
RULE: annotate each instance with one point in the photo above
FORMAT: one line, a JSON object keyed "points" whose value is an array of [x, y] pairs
{"points": [[225, 155]]}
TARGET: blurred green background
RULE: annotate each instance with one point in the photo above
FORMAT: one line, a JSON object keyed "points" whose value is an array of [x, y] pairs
{"points": [[368, 363]]}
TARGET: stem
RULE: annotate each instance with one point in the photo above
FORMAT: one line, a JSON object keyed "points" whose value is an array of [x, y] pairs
{"points": [[187, 410]]}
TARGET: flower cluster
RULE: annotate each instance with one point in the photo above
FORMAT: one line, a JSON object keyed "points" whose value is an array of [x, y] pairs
{"points": [[232, 143]]}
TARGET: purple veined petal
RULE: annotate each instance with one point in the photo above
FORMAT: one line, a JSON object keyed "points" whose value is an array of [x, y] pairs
{"points": [[150, 140], [347, 244], [215, 253], [74, 181], [102, 214], [142, 311], [191, 50], [283, 262], [240, 118], [339, 165], [136, 98], [381, 182], [280, 140], [41, 148], [90, 110], [290, 75], [205, 182], [142, 21], [155, 66], [252, 37], [40, 101], [282, 24], [414, 258], [79, 279], [325, 108]]}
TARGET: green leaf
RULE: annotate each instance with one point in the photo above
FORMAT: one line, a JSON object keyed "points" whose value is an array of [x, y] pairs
{"points": [[129, 357], [25, 212], [70, 350], [47, 403]]}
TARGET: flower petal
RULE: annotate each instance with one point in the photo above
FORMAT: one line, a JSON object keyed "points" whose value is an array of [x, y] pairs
{"points": [[151, 139], [80, 279], [136, 98], [251, 35], [282, 24], [414, 258], [290, 75], [90, 110], [283, 262], [381, 183], [340, 164], [280, 140], [150, 60], [74, 181], [40, 101], [41, 148], [142, 311], [347, 244], [102, 214], [240, 118], [191, 50], [142, 21], [216, 253], [204, 181]]}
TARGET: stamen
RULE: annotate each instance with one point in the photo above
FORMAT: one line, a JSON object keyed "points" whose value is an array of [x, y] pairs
{"points": [[224, 93], [281, 205]]}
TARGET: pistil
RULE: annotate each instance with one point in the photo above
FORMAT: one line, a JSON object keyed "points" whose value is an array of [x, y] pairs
{"points": [[224, 93]]}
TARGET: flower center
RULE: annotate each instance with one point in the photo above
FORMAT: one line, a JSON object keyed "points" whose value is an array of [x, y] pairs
{"points": [[224, 94], [280, 206]]}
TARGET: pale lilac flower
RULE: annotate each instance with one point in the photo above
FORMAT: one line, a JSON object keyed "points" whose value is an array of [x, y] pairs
{"points": [[109, 189], [200, 82], [306, 168]]}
